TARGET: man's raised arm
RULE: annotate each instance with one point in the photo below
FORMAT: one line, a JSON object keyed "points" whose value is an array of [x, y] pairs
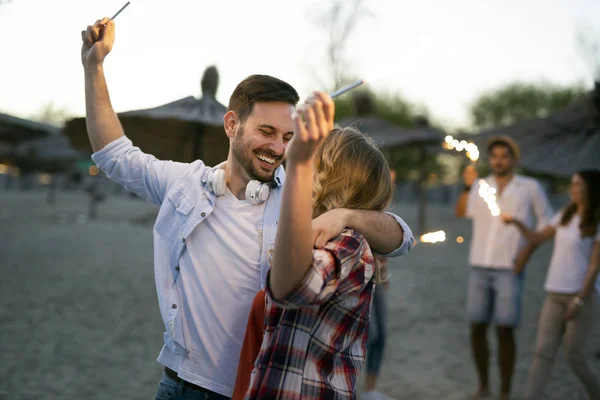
{"points": [[114, 153], [102, 123]]}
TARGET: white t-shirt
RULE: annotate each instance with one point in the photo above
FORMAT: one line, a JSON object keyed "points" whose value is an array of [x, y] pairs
{"points": [[570, 257], [225, 278], [496, 244]]}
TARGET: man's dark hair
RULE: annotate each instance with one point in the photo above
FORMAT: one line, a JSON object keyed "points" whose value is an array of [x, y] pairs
{"points": [[259, 89], [507, 142]]}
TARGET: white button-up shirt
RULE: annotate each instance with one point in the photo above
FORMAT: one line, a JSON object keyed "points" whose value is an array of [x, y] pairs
{"points": [[496, 244]]}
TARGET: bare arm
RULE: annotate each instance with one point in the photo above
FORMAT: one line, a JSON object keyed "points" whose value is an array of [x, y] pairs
{"points": [[591, 275], [123, 163], [102, 123], [523, 257], [381, 230], [533, 237], [293, 242], [386, 233], [469, 175], [460, 209]]}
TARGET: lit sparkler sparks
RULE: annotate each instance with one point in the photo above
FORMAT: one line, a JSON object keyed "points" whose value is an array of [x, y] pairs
{"points": [[488, 194], [453, 144], [434, 237]]}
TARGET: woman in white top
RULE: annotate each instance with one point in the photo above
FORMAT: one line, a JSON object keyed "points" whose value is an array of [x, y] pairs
{"points": [[572, 284]]}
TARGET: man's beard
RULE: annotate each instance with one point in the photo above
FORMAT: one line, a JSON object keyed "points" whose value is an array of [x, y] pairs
{"points": [[500, 171], [245, 160]]}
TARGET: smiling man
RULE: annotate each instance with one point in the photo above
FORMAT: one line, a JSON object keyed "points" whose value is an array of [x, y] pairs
{"points": [[215, 230]]}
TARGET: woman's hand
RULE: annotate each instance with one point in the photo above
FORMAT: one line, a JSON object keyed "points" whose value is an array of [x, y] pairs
{"points": [[313, 122], [573, 310], [507, 218]]}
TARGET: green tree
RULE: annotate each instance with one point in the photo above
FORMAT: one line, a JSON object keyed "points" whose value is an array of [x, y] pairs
{"points": [[396, 110], [517, 101]]}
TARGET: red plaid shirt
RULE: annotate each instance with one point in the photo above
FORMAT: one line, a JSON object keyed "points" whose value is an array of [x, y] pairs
{"points": [[315, 339]]}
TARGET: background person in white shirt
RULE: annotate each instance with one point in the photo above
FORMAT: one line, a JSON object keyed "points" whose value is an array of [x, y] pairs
{"points": [[496, 278], [572, 285], [216, 226]]}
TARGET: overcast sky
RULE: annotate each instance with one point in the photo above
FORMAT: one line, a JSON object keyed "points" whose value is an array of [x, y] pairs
{"points": [[437, 53]]}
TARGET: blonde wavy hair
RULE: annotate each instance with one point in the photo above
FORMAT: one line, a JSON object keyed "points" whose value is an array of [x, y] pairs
{"points": [[351, 172]]}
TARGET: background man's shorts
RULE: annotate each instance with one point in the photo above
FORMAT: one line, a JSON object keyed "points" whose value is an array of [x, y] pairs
{"points": [[495, 296]]}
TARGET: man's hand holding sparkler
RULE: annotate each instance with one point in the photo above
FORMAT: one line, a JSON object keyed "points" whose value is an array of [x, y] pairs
{"points": [[98, 40]]}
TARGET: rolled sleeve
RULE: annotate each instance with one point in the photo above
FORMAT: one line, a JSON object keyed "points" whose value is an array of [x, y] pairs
{"points": [[344, 265], [102, 158], [408, 240], [136, 171], [314, 286]]}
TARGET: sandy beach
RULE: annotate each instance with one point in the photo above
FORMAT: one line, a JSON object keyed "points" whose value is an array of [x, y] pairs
{"points": [[80, 319]]}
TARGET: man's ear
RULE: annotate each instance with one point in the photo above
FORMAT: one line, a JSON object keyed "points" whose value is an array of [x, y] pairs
{"points": [[230, 123]]}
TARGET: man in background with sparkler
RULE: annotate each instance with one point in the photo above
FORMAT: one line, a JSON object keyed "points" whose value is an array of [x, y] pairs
{"points": [[216, 226], [496, 279]]}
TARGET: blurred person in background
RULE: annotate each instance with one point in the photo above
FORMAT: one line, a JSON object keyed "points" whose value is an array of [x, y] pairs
{"points": [[378, 326], [572, 285], [496, 277]]}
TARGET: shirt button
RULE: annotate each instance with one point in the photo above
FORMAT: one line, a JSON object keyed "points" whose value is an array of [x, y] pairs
{"points": [[203, 214], [183, 240], [177, 268], [174, 306]]}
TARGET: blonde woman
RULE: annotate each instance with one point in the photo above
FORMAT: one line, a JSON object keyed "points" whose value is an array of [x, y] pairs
{"points": [[318, 300]]}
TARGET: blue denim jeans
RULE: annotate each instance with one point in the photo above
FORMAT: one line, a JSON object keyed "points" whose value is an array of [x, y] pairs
{"points": [[377, 331], [169, 389], [495, 296]]}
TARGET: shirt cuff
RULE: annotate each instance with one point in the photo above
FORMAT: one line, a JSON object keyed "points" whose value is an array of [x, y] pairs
{"points": [[408, 241], [109, 151]]}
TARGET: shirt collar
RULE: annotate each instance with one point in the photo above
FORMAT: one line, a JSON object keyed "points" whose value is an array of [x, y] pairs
{"points": [[278, 179]]}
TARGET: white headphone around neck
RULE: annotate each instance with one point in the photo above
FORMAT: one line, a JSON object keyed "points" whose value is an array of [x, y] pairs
{"points": [[257, 192]]}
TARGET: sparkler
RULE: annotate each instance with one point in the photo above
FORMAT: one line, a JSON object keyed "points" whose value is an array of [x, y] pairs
{"points": [[347, 88], [433, 237], [119, 12], [488, 194], [471, 148]]}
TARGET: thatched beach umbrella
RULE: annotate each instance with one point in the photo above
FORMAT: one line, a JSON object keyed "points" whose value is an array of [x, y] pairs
{"points": [[559, 144], [183, 130], [50, 154], [14, 130], [423, 138], [6, 152], [46, 154]]}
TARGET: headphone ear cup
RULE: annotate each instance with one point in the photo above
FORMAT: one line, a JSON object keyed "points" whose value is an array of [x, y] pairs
{"points": [[257, 192], [220, 185], [250, 192], [263, 193], [216, 182]]}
